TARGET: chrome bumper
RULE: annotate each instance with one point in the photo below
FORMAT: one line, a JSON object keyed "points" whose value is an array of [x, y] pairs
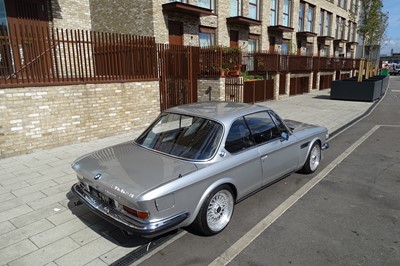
{"points": [[146, 229]]}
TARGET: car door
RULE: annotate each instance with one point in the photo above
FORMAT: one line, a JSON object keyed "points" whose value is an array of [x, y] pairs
{"points": [[278, 156], [244, 161]]}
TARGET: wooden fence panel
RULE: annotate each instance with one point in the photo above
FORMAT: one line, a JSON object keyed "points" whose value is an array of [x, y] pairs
{"points": [[178, 72], [258, 91], [42, 55]]}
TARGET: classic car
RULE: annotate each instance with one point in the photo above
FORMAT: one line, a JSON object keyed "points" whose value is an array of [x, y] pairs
{"points": [[191, 166]]}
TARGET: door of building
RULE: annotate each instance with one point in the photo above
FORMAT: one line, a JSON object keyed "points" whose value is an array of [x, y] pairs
{"points": [[234, 38], [175, 31], [271, 44]]}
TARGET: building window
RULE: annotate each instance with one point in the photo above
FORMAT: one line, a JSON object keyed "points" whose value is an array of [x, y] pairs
{"points": [[252, 48], [321, 23], [310, 19], [253, 9], [209, 4], [342, 3], [286, 12], [309, 49], [206, 36], [353, 6], [285, 47], [236, 8], [352, 32], [325, 23], [340, 23], [273, 19], [323, 50], [328, 19], [182, 1], [301, 16]]}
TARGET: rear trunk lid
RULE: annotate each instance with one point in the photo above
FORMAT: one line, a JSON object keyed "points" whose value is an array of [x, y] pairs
{"points": [[128, 170]]}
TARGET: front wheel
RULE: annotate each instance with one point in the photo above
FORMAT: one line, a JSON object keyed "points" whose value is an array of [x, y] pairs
{"points": [[216, 211], [313, 159]]}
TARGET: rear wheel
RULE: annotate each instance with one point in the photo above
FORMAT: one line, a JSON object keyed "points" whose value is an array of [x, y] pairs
{"points": [[313, 159], [216, 211]]}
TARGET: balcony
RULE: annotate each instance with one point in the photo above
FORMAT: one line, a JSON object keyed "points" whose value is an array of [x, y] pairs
{"points": [[306, 34], [280, 28], [187, 9], [324, 38], [338, 41], [243, 21]]}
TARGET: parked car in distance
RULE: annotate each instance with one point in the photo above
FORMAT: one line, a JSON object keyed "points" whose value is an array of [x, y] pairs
{"points": [[192, 164], [394, 69]]}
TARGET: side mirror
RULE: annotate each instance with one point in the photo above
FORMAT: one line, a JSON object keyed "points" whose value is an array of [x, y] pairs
{"points": [[284, 136]]}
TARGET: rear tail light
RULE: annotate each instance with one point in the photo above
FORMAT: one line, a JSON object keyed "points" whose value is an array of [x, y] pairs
{"points": [[139, 214]]}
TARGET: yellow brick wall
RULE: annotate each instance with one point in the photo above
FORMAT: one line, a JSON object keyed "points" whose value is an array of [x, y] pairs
{"points": [[44, 117]]}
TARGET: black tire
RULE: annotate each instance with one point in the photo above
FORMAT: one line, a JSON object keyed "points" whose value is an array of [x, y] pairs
{"points": [[216, 212], [313, 159]]}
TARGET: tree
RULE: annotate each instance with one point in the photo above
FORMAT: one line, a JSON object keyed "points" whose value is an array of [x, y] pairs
{"points": [[372, 24]]}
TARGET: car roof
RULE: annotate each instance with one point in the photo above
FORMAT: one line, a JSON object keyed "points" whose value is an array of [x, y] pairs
{"points": [[224, 112]]}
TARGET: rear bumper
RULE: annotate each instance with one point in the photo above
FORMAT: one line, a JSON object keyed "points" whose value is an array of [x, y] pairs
{"points": [[146, 229]]}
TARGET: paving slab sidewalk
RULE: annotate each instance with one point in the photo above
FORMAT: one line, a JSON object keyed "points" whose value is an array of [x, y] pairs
{"points": [[40, 224]]}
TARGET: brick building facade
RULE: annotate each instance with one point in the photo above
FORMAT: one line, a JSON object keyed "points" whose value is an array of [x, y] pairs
{"points": [[37, 117]]}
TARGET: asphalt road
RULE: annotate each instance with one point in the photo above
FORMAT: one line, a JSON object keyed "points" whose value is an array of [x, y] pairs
{"points": [[348, 213]]}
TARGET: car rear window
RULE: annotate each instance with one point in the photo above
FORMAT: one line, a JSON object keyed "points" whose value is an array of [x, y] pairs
{"points": [[183, 136]]}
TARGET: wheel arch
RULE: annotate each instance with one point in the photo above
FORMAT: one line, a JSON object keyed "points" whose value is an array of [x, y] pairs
{"points": [[220, 182], [315, 140]]}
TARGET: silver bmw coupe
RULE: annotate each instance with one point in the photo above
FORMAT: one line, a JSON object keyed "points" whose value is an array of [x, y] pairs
{"points": [[193, 164]]}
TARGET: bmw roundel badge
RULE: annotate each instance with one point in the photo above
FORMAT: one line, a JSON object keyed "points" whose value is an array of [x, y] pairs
{"points": [[97, 177]]}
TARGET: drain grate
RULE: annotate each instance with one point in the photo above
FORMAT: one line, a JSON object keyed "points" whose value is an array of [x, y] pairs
{"points": [[138, 253]]}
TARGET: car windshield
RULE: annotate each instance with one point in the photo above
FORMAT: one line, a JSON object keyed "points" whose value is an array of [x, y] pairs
{"points": [[183, 136]]}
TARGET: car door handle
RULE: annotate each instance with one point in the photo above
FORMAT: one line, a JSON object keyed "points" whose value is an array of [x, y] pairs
{"points": [[264, 157]]}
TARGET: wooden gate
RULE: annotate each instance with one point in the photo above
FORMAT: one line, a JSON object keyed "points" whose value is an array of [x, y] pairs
{"points": [[298, 85], [325, 82], [258, 91], [28, 24], [178, 70]]}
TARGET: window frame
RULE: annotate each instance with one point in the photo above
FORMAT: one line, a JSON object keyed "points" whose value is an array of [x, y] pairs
{"points": [[256, 5], [238, 8], [207, 31], [211, 4], [273, 13], [302, 8], [310, 20], [286, 13], [328, 22]]}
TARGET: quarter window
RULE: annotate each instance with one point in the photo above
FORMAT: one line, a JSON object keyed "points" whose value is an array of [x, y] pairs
{"points": [[239, 137]]}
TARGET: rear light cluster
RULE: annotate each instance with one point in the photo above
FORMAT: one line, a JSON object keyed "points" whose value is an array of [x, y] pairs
{"points": [[136, 213], [139, 214]]}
